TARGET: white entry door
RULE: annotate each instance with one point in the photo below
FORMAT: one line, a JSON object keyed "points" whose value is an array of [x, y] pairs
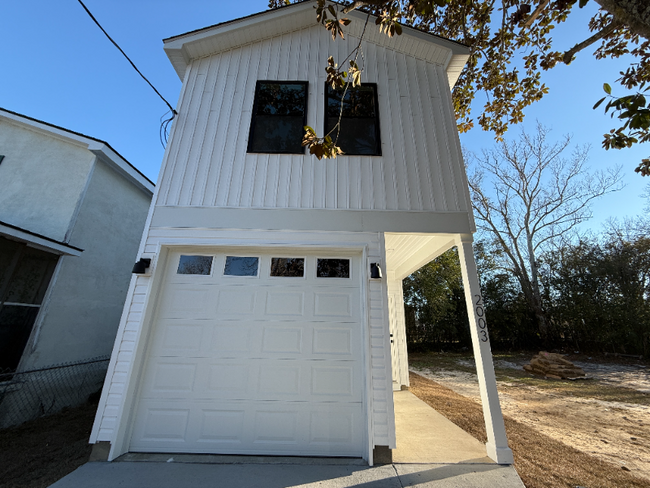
{"points": [[255, 353]]}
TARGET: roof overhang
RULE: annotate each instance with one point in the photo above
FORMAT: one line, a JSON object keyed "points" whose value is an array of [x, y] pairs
{"points": [[182, 49], [98, 147], [38, 241]]}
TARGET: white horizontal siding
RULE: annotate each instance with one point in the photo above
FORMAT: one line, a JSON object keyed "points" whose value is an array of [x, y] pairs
{"points": [[121, 363], [420, 168], [116, 382]]}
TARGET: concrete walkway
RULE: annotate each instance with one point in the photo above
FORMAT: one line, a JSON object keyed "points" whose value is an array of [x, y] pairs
{"points": [[425, 436], [431, 453]]}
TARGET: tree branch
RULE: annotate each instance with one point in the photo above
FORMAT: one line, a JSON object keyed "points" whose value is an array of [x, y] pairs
{"points": [[536, 13], [364, 3], [605, 31]]}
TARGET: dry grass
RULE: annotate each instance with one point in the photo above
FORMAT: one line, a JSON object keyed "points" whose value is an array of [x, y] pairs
{"points": [[539, 460]]}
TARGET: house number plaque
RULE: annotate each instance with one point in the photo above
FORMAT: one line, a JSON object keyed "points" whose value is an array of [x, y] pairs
{"points": [[480, 314]]}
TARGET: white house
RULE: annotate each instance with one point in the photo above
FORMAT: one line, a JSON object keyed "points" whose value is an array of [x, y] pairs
{"points": [[262, 325], [71, 214]]}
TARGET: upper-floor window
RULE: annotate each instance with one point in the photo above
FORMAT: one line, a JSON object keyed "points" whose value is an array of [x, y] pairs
{"points": [[279, 115], [359, 130]]}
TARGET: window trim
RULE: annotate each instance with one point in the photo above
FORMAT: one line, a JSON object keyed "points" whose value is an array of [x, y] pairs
{"points": [[251, 132], [377, 128]]}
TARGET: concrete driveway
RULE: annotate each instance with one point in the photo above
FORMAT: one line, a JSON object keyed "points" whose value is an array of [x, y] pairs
{"points": [[267, 475], [431, 452]]}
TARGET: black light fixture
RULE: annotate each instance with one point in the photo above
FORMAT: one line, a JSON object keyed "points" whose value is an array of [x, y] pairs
{"points": [[141, 266], [375, 271]]}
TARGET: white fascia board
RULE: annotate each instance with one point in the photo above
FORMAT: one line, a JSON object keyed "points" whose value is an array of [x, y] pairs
{"points": [[202, 43], [177, 48], [46, 129], [39, 242]]}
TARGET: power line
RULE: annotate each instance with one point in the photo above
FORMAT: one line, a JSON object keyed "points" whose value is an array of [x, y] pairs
{"points": [[174, 113]]}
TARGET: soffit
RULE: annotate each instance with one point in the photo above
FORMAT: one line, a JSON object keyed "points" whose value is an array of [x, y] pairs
{"points": [[406, 253]]}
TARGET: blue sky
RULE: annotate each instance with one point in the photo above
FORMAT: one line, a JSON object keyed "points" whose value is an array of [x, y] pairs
{"points": [[57, 66]]}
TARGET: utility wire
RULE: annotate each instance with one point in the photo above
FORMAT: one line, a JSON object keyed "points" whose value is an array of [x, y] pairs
{"points": [[174, 113]]}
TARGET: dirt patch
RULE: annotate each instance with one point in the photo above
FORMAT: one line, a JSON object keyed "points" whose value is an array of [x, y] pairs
{"points": [[541, 461], [40, 452], [607, 417]]}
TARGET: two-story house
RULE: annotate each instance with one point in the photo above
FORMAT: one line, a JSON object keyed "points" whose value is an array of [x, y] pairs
{"points": [[271, 318], [72, 212]]}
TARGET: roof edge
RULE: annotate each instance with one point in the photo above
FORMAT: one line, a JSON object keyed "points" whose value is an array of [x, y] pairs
{"points": [[38, 240], [93, 144]]}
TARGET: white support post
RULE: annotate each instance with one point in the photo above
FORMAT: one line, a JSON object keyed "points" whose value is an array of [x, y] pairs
{"points": [[497, 444]]}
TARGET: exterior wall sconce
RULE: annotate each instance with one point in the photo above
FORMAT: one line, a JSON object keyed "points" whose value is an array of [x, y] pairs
{"points": [[375, 271], [141, 266]]}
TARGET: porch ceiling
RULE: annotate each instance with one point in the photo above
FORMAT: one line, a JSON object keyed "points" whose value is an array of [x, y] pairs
{"points": [[406, 253]]}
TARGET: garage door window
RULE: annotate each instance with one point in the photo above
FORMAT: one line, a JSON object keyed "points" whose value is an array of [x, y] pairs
{"points": [[241, 266], [288, 267], [195, 265], [333, 268]]}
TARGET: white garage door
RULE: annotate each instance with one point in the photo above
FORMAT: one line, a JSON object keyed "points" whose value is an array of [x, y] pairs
{"points": [[255, 354]]}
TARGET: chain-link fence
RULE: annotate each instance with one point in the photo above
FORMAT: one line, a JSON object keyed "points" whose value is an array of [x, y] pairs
{"points": [[26, 395]]}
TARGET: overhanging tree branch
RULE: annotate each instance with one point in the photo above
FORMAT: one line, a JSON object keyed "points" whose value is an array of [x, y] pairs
{"points": [[568, 56]]}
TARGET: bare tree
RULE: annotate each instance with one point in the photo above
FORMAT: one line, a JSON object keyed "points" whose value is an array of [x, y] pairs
{"points": [[528, 195]]}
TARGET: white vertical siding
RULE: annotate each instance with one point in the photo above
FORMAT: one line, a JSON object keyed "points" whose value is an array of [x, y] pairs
{"points": [[420, 168]]}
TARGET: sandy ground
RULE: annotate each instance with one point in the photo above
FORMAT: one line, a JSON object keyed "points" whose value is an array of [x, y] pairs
{"points": [[615, 432]]}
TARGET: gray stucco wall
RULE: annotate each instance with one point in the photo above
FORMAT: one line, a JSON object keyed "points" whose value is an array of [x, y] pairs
{"points": [[42, 179], [86, 297]]}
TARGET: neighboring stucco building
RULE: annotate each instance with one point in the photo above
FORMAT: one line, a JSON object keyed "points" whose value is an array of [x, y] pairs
{"points": [[72, 212], [263, 325]]}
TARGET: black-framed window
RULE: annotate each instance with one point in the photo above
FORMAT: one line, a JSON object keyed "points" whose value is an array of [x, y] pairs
{"points": [[359, 131], [279, 117]]}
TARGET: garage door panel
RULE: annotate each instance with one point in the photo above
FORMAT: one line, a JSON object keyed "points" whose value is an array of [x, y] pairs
{"points": [[253, 379], [221, 426], [328, 381], [255, 339], [189, 302], [281, 339], [238, 302], [162, 425], [287, 302], [251, 428], [254, 365], [339, 341]]}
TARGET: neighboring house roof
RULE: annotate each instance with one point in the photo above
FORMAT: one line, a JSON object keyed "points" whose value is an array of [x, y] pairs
{"points": [[182, 49], [101, 149], [38, 240]]}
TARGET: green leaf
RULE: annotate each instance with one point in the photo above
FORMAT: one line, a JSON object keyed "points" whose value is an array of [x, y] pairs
{"points": [[583, 3], [599, 102], [607, 88]]}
